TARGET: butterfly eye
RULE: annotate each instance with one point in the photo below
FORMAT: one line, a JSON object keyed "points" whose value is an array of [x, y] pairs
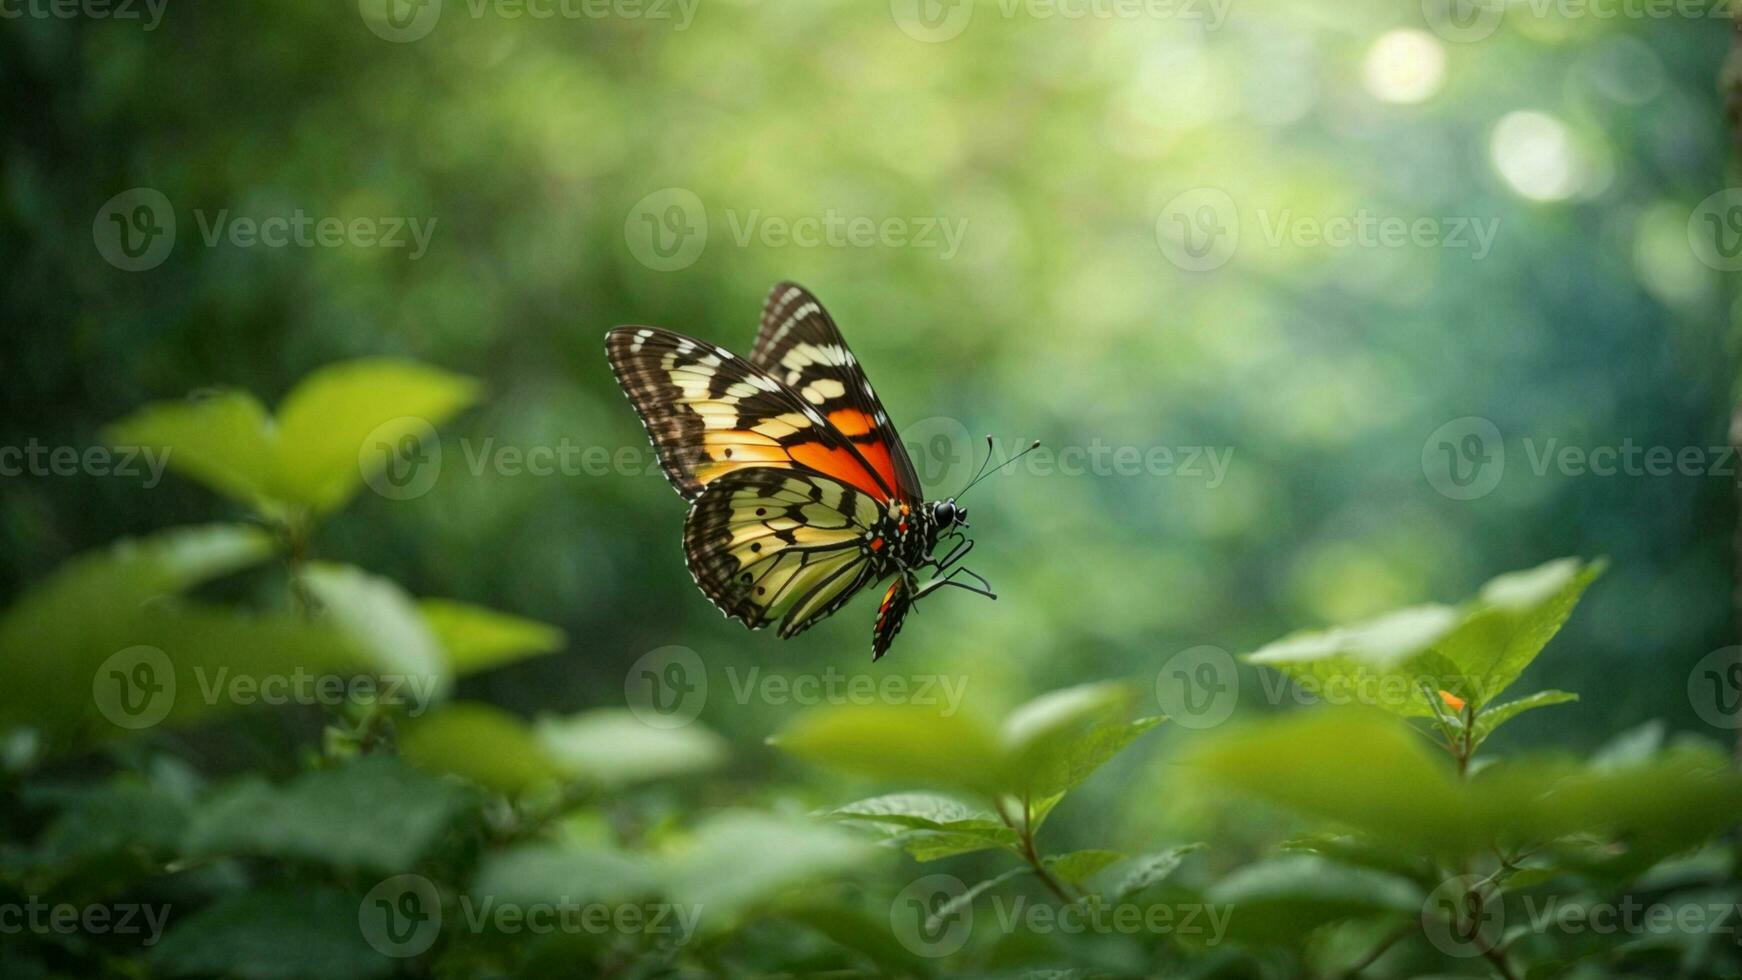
{"points": [[945, 513]]}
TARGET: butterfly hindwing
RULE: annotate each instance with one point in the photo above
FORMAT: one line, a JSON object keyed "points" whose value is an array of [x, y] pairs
{"points": [[890, 615], [766, 544], [710, 413], [799, 344]]}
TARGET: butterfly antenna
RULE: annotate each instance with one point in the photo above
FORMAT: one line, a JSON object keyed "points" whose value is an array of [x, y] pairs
{"points": [[983, 473]]}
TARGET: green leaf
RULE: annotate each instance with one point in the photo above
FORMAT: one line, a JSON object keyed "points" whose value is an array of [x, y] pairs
{"points": [[1047, 746], [609, 747], [1349, 765], [1285, 897], [933, 845], [927, 811], [475, 638], [324, 422], [151, 657], [534, 873], [382, 621], [96, 824], [900, 743], [613, 747], [1513, 618], [225, 440], [1056, 714], [740, 859], [1129, 875], [937, 919], [1367, 772], [276, 933], [1490, 719], [374, 813], [1074, 756], [1398, 661], [311, 460], [479, 742], [929, 826], [1077, 866]]}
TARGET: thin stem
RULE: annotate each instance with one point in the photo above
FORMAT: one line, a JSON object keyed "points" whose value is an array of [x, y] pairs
{"points": [[1392, 939], [1026, 849], [1501, 965]]}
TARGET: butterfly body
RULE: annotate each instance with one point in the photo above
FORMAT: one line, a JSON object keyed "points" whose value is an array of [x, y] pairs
{"points": [[801, 495]]}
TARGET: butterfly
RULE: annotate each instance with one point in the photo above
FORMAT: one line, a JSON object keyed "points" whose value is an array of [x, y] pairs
{"points": [[801, 493]]}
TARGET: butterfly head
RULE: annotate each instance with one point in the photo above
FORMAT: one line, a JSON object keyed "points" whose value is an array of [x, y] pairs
{"points": [[947, 514]]}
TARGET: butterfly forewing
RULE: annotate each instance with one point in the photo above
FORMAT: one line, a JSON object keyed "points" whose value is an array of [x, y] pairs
{"points": [[767, 544], [799, 344], [710, 413]]}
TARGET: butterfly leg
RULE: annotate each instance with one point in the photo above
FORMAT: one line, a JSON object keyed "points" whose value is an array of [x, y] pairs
{"points": [[983, 588], [957, 552]]}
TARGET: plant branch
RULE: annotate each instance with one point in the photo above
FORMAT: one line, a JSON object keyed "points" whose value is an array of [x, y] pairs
{"points": [[1026, 850], [1392, 939]]}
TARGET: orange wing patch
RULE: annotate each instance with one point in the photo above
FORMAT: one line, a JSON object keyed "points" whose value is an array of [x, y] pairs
{"points": [[842, 465]]}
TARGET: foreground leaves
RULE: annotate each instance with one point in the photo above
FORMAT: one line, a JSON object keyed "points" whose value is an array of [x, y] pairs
{"points": [[1045, 748], [1473, 652], [1363, 770], [314, 456]]}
